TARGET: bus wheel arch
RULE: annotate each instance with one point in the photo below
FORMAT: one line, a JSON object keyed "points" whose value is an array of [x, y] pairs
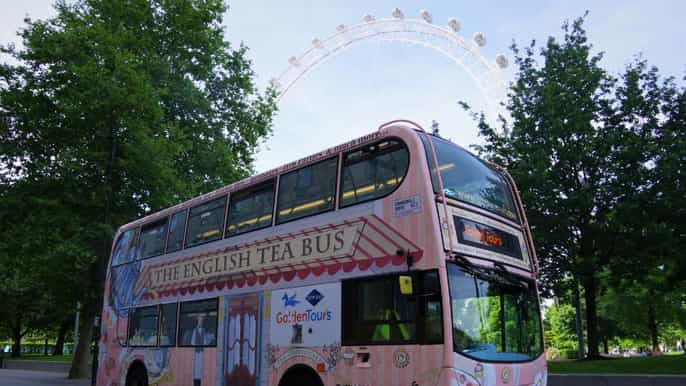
{"points": [[300, 375], [137, 374]]}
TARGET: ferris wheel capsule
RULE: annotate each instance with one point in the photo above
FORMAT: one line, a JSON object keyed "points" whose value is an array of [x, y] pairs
{"points": [[426, 16], [480, 39], [398, 14], [501, 61], [367, 18], [454, 24]]}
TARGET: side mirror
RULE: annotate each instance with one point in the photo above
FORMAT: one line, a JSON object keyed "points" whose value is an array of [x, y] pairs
{"points": [[406, 287]]}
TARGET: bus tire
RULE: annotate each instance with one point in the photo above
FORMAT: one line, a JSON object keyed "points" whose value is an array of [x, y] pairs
{"points": [[137, 375], [300, 375]]}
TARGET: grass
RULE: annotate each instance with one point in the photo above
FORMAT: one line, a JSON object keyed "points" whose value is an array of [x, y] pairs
{"points": [[41, 357], [665, 364]]}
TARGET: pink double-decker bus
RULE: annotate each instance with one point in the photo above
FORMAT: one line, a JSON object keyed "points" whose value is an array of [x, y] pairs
{"points": [[398, 258]]}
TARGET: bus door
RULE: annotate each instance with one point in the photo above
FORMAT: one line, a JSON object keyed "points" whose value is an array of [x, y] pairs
{"points": [[241, 358]]}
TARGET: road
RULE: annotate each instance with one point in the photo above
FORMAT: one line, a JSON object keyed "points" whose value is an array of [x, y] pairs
{"points": [[37, 378]]}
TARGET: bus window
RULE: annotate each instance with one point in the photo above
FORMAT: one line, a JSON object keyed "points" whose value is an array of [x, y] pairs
{"points": [[251, 209], [176, 225], [198, 323], [205, 222], [431, 310], [152, 238], [375, 312], [168, 324], [143, 328], [307, 191], [124, 251], [373, 171], [469, 179]]}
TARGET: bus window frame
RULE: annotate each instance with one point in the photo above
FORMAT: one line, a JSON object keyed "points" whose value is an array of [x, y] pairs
{"points": [[492, 214], [333, 208], [166, 238], [225, 196], [183, 236], [159, 321], [541, 333], [178, 322], [420, 299], [252, 187], [136, 232], [132, 311], [342, 163]]}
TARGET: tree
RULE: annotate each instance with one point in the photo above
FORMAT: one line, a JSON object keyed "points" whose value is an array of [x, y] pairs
{"points": [[557, 152], [131, 105], [39, 252], [599, 161]]}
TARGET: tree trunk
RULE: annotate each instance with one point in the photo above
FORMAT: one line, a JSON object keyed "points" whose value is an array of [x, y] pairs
{"points": [[605, 346], [79, 364], [45, 346], [590, 288], [61, 334], [579, 324], [652, 325], [16, 340]]}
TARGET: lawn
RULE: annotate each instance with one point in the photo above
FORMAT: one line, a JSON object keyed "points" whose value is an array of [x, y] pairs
{"points": [[41, 357], [665, 364]]}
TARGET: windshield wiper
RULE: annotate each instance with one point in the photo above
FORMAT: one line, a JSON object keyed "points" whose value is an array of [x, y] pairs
{"points": [[498, 273]]}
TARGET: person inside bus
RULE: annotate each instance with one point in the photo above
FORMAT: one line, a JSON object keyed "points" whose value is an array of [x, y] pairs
{"points": [[392, 330], [200, 335]]}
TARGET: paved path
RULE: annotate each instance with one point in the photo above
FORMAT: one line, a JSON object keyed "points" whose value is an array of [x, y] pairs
{"points": [[10, 377]]}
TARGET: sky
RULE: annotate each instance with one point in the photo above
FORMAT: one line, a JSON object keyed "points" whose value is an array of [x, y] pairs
{"points": [[373, 82]]}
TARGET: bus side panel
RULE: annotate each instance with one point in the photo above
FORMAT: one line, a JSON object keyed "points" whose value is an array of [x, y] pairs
{"points": [[387, 365]]}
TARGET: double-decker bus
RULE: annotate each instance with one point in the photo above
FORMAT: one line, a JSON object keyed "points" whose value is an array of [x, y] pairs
{"points": [[398, 258]]}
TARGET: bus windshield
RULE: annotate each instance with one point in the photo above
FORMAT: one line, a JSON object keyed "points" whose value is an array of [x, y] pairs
{"points": [[495, 318], [467, 178]]}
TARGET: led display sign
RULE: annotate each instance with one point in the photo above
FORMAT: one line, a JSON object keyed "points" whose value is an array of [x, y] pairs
{"points": [[487, 237]]}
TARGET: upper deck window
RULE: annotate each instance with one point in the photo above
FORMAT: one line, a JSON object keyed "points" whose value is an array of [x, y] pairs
{"points": [[467, 178], [205, 222], [307, 191], [373, 171], [152, 238], [251, 209], [176, 227], [124, 251]]}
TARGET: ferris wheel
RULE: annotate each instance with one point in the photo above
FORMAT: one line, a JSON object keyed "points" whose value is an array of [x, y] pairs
{"points": [[465, 52]]}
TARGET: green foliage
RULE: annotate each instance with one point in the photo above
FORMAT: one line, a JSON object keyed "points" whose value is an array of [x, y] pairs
{"points": [[560, 331], [111, 110], [599, 161]]}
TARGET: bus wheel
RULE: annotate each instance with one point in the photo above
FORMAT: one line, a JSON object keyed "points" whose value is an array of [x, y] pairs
{"points": [[137, 375], [300, 375]]}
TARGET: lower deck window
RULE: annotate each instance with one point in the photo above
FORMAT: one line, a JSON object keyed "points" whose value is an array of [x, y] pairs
{"points": [[198, 323], [375, 312], [143, 328], [168, 324]]}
